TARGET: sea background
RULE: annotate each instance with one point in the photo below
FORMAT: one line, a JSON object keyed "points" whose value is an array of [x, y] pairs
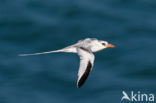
{"points": [[28, 26]]}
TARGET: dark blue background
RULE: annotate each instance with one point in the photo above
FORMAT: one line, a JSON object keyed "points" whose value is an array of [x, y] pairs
{"points": [[28, 26]]}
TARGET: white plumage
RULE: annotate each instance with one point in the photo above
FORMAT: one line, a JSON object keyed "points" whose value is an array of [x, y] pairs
{"points": [[86, 64], [84, 48]]}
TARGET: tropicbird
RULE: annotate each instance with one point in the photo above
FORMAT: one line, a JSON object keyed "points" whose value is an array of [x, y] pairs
{"points": [[84, 48]]}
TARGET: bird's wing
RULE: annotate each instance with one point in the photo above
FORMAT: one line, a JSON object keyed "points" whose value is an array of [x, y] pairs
{"points": [[86, 64]]}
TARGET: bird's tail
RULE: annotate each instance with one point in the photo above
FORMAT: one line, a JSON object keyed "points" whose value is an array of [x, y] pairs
{"points": [[41, 53]]}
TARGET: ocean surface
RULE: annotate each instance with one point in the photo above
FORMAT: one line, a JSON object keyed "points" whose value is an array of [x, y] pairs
{"points": [[29, 26]]}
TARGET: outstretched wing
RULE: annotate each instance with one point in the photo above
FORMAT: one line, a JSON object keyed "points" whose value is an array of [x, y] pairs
{"points": [[86, 64]]}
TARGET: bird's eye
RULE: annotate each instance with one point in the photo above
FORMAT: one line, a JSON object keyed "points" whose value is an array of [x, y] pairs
{"points": [[104, 44]]}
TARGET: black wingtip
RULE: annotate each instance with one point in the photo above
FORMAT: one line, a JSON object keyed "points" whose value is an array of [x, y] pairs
{"points": [[85, 75], [78, 86]]}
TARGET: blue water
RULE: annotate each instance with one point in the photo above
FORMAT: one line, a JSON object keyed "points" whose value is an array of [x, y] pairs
{"points": [[28, 26]]}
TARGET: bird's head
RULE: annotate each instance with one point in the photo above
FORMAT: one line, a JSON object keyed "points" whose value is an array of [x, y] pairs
{"points": [[105, 44]]}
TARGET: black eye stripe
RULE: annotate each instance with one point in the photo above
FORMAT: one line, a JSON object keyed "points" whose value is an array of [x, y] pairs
{"points": [[104, 44]]}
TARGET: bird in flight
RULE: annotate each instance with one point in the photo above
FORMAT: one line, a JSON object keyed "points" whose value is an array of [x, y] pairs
{"points": [[84, 48]]}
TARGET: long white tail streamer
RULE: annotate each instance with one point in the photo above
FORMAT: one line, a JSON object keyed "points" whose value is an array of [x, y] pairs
{"points": [[40, 53]]}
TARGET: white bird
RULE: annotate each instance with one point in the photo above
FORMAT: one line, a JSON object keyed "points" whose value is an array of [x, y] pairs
{"points": [[84, 48]]}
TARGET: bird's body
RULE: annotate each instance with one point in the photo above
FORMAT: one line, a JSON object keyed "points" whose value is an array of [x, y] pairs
{"points": [[84, 48]]}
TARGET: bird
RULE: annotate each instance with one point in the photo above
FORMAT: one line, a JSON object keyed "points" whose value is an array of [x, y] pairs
{"points": [[85, 49]]}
